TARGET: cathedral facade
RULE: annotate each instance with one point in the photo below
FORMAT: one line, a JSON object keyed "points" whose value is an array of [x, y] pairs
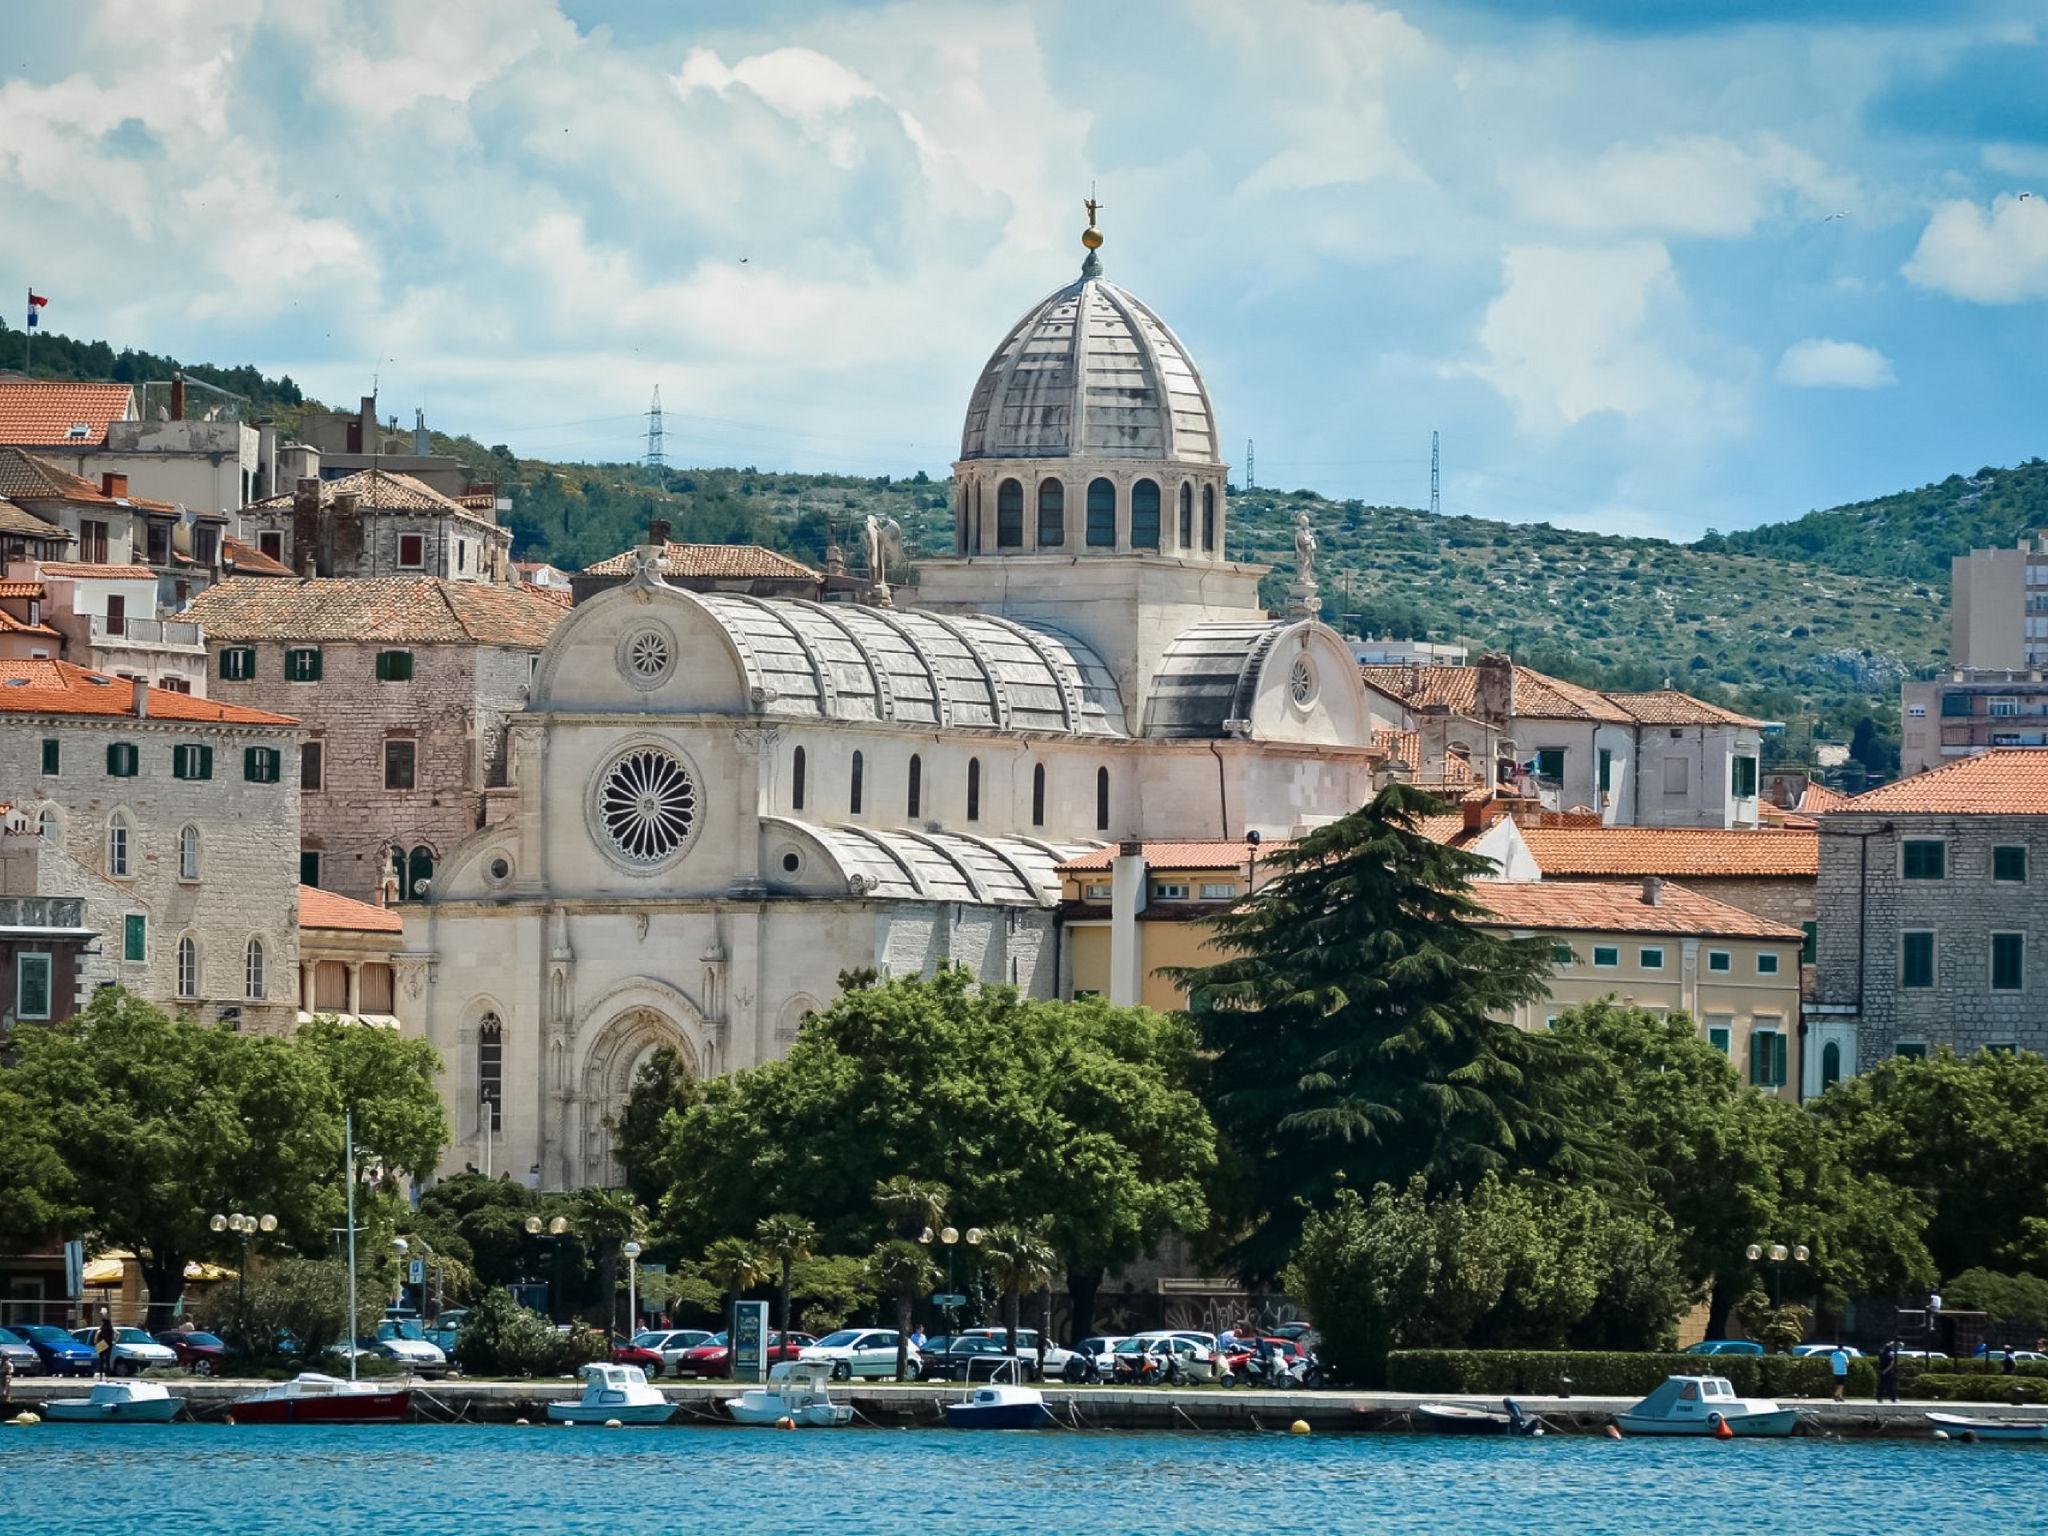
{"points": [[726, 801]]}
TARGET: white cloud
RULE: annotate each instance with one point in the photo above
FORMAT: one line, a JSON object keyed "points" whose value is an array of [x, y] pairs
{"points": [[1994, 257], [1697, 185], [1577, 333], [1819, 363]]}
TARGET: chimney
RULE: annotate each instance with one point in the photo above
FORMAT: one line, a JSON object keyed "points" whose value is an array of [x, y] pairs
{"points": [[178, 395], [112, 484], [422, 444], [266, 459], [657, 533], [1496, 690], [309, 562], [1653, 890], [141, 685]]}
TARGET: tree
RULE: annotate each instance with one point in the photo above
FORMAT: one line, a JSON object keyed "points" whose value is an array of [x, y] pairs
{"points": [[1019, 1260], [609, 1217], [826, 1290], [1359, 1028], [385, 1080], [785, 1239], [913, 1206], [735, 1266], [38, 1193], [664, 1085], [904, 1271]]}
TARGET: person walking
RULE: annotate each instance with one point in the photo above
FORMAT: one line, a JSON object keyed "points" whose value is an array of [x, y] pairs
{"points": [[1888, 1372], [6, 1380], [1838, 1362], [103, 1342], [2010, 1363]]}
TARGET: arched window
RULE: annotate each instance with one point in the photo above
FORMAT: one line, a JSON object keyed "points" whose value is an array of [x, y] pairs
{"points": [[1830, 1065], [853, 794], [1101, 515], [916, 784], [419, 873], [974, 789], [1052, 512], [960, 522], [974, 522], [1187, 515], [1208, 519], [188, 854], [490, 1071], [49, 826], [1038, 794], [796, 780], [188, 967], [1102, 799], [1145, 515], [1009, 515], [117, 845], [253, 966]]}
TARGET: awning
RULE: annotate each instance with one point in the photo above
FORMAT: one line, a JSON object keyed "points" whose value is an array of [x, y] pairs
{"points": [[106, 1270]]}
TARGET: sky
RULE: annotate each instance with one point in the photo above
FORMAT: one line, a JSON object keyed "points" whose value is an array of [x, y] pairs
{"points": [[1646, 266]]}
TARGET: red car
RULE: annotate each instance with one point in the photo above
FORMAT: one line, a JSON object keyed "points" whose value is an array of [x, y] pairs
{"points": [[714, 1356], [649, 1360], [200, 1353]]}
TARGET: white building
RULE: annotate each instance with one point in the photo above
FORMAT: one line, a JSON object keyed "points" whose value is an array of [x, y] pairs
{"points": [[728, 800]]}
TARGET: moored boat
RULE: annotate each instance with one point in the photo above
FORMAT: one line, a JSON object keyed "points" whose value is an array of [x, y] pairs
{"points": [[1988, 1428], [1705, 1405], [116, 1402], [1000, 1407], [796, 1391], [614, 1392], [311, 1398], [1470, 1419]]}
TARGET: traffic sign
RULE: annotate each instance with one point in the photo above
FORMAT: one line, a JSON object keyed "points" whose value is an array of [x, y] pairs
{"points": [[416, 1272], [948, 1299]]}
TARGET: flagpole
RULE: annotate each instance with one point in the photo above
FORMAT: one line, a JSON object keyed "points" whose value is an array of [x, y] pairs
{"points": [[28, 332]]}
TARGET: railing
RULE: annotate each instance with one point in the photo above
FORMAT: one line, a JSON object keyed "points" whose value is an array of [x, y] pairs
{"points": [[147, 631]]}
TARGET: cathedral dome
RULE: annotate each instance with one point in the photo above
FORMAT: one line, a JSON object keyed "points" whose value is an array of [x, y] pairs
{"points": [[1091, 373]]}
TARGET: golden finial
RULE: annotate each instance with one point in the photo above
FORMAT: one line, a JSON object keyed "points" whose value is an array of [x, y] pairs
{"points": [[1091, 237]]}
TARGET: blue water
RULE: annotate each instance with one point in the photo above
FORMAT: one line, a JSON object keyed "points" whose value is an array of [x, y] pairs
{"points": [[505, 1479]]}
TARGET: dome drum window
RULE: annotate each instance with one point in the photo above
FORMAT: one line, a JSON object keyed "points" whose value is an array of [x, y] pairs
{"points": [[1101, 514], [1052, 514], [645, 806], [647, 655], [1009, 515], [1145, 515]]}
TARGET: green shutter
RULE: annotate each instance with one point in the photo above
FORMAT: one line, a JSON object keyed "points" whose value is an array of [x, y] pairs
{"points": [[1759, 1048], [1550, 764], [1809, 952], [50, 756], [205, 762], [1779, 1076], [394, 666], [120, 760], [259, 765], [309, 866], [1606, 770], [135, 938]]}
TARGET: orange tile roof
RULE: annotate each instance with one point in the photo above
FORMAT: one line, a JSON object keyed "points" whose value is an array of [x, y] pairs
{"points": [[1538, 696], [712, 562], [2008, 782], [1405, 745], [76, 569], [1597, 906], [553, 595], [248, 560], [1667, 706], [1702, 852], [42, 412], [1818, 797], [20, 588], [59, 688], [25, 477], [418, 610], [324, 909], [10, 625], [1169, 856], [379, 490]]}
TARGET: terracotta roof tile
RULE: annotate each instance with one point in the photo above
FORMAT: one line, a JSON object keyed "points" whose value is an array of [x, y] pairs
{"points": [[10, 625], [78, 569], [417, 610], [1199, 855], [1667, 706], [1538, 695], [24, 524], [42, 412], [20, 588], [25, 477], [379, 490], [712, 562], [1596, 906], [1405, 745], [59, 688], [248, 560], [2012, 782], [324, 909], [1818, 797], [1701, 852], [553, 595]]}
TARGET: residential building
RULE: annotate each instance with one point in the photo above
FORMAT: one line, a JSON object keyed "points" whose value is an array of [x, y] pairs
{"points": [[175, 820], [1133, 907], [24, 536], [23, 634], [1767, 872], [1662, 758], [1995, 693], [378, 523], [404, 683], [60, 413], [44, 942], [1998, 607], [746, 568], [351, 955], [1936, 922], [1389, 652], [348, 442]]}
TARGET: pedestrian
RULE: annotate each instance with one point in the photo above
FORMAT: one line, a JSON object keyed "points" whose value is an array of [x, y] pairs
{"points": [[1838, 1362], [6, 1380], [1933, 1305], [917, 1336], [2010, 1364], [1226, 1341], [103, 1342], [1888, 1372]]}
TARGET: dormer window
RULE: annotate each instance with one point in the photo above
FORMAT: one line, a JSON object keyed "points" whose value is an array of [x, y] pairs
{"points": [[79, 432]]}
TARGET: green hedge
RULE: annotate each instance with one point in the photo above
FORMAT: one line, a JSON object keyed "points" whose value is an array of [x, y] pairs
{"points": [[1953, 1387], [1602, 1373]]}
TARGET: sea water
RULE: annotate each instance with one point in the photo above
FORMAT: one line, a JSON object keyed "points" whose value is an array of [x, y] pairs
{"points": [[500, 1480]]}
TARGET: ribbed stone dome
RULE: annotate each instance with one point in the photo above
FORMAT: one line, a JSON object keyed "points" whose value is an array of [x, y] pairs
{"points": [[1090, 373]]}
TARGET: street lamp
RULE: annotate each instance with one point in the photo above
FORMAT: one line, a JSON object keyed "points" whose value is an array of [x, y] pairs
{"points": [[632, 1251], [947, 1237], [551, 1231], [244, 1227], [1777, 1255]]}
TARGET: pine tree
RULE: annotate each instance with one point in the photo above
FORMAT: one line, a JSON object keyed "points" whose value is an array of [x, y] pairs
{"points": [[1360, 1030]]}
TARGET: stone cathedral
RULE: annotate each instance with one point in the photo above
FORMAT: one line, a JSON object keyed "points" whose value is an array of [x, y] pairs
{"points": [[726, 801]]}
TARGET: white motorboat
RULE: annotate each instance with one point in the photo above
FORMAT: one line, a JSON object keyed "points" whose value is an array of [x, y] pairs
{"points": [[117, 1402], [1959, 1424], [1000, 1406], [796, 1391], [1705, 1405], [613, 1392], [313, 1398]]}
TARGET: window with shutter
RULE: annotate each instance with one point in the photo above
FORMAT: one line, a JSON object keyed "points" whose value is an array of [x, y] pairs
{"points": [[302, 665], [50, 759], [394, 666], [135, 938], [237, 664], [121, 759]]}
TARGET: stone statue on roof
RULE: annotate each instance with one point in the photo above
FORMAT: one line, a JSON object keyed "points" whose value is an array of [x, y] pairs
{"points": [[883, 537]]}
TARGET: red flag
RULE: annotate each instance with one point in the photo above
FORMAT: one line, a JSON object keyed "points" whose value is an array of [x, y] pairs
{"points": [[36, 299]]}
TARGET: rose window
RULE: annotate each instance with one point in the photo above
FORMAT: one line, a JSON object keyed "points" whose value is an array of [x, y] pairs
{"points": [[647, 655], [647, 804], [1301, 682]]}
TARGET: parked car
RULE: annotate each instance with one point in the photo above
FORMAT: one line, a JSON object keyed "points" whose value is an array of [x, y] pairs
{"points": [[668, 1345], [202, 1354], [1298, 1331], [1923, 1354], [962, 1357], [1094, 1358], [404, 1340], [134, 1351], [1806, 1350], [1056, 1357], [446, 1328], [1726, 1347], [1158, 1357], [650, 1361], [713, 1357], [861, 1352], [61, 1354], [14, 1348]]}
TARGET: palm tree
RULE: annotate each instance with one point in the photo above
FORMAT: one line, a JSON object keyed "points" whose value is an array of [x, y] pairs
{"points": [[610, 1218], [734, 1265], [1019, 1260], [911, 1204], [785, 1239], [904, 1270]]}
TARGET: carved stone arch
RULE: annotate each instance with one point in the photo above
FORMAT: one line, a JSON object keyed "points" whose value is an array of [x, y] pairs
{"points": [[790, 1019], [613, 1037]]}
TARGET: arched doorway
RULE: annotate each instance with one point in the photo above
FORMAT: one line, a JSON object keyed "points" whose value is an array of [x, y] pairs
{"points": [[614, 1059]]}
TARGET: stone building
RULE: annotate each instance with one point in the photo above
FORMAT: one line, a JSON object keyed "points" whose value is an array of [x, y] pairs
{"points": [[744, 568], [377, 523], [174, 820], [351, 959], [404, 684], [1933, 917], [726, 801]]}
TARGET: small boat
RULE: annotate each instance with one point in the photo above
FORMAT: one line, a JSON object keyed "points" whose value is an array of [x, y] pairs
{"points": [[1469, 1419], [1000, 1407], [613, 1392], [117, 1402], [1704, 1405], [796, 1391], [1990, 1429], [311, 1398]]}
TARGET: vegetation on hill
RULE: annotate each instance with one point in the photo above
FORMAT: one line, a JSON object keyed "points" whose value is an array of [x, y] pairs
{"points": [[57, 356]]}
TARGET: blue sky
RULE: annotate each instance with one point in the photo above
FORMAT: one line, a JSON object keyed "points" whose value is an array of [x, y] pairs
{"points": [[1647, 265]]}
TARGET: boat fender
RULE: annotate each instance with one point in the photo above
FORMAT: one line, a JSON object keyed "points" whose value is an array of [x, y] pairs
{"points": [[1613, 1431], [785, 1422], [1721, 1429], [522, 1421], [1298, 1427], [24, 1419], [1941, 1434], [613, 1424], [1969, 1437]]}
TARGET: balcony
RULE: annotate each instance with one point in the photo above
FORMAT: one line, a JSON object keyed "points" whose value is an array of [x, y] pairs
{"points": [[146, 632]]}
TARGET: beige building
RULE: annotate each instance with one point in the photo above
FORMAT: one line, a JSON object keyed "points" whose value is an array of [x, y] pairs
{"points": [[351, 957], [1995, 693]]}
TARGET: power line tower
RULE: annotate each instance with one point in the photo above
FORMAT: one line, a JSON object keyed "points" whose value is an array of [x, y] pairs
{"points": [[1251, 467], [656, 459], [1436, 505]]}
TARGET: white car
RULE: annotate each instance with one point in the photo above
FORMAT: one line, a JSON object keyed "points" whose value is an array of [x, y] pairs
{"points": [[1805, 1351], [1056, 1358], [1096, 1354], [860, 1352], [669, 1343], [407, 1343], [134, 1351], [1192, 1360]]}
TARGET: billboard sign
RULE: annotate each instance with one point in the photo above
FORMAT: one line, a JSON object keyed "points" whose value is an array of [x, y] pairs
{"points": [[750, 1341]]}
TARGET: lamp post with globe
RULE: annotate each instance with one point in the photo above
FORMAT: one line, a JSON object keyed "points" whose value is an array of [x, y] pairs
{"points": [[554, 1232], [947, 1237], [632, 1251], [244, 1227]]}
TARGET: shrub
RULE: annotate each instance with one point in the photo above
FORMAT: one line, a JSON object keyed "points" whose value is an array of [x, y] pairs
{"points": [[2008, 1298], [1958, 1387], [502, 1338], [1613, 1373]]}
